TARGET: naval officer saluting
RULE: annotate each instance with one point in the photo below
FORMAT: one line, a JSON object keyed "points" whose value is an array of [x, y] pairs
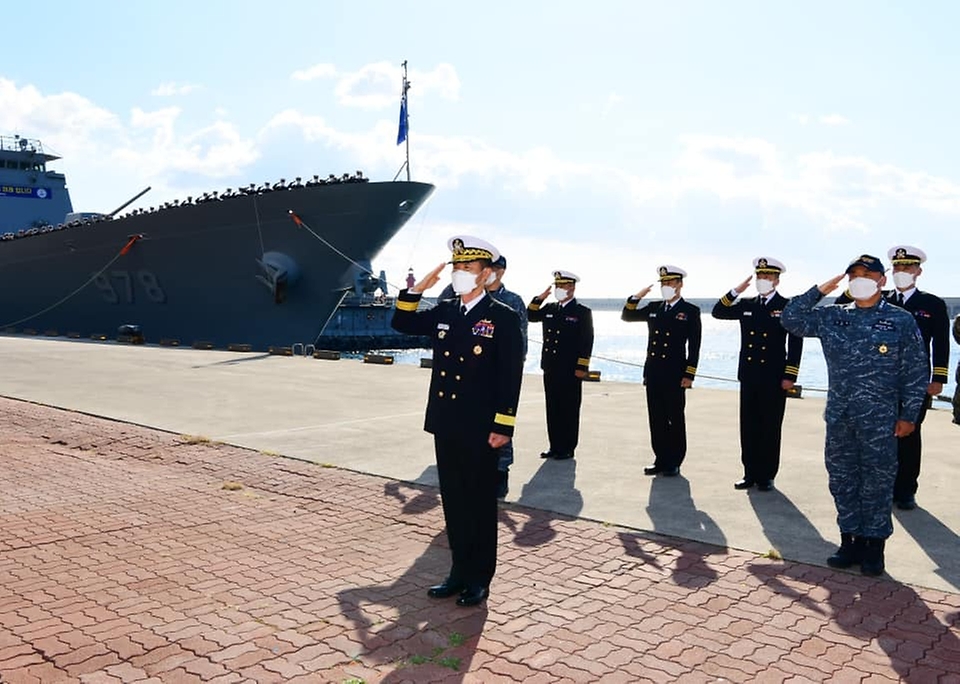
{"points": [[564, 360], [471, 408], [768, 368], [930, 313], [673, 351]]}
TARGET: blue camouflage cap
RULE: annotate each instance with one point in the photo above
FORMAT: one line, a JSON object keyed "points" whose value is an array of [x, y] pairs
{"points": [[871, 263]]}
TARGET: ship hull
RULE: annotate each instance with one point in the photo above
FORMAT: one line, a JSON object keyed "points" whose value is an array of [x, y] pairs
{"points": [[195, 275]]}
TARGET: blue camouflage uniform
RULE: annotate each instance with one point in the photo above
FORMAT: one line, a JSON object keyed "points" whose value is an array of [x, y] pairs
{"points": [[515, 302], [878, 373]]}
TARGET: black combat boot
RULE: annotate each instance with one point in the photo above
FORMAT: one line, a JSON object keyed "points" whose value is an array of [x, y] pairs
{"points": [[849, 553], [872, 563]]}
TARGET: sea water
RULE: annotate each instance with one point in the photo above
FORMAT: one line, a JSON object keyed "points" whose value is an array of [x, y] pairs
{"points": [[619, 350]]}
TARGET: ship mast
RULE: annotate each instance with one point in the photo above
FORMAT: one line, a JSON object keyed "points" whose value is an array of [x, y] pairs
{"points": [[403, 132]]}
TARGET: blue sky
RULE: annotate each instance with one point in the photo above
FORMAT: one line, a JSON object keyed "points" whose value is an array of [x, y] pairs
{"points": [[603, 138]]}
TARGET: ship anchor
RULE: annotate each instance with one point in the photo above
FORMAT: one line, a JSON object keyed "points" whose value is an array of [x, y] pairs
{"points": [[278, 272]]}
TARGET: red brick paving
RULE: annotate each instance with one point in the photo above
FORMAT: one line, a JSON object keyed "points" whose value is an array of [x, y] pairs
{"points": [[123, 559]]}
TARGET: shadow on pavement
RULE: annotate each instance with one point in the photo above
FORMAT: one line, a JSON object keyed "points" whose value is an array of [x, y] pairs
{"points": [[787, 529], [922, 647], [550, 491], [398, 624], [937, 540], [673, 513]]}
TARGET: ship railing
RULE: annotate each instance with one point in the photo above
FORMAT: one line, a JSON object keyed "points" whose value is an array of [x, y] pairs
{"points": [[18, 144]]}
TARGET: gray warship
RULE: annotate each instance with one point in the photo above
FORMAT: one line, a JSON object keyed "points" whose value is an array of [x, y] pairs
{"points": [[255, 267]]}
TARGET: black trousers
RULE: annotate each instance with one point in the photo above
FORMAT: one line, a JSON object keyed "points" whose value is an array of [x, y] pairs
{"points": [[762, 405], [564, 394], [666, 404], [467, 469], [908, 458]]}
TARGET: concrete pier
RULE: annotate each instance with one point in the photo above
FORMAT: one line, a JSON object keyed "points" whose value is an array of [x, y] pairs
{"points": [[154, 550]]}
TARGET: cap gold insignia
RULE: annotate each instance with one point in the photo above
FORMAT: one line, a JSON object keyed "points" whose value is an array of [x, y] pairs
{"points": [[901, 253], [478, 350], [663, 270], [762, 263], [882, 349], [556, 274]]}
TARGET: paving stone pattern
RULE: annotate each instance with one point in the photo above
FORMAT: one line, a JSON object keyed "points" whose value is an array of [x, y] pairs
{"points": [[134, 555]]}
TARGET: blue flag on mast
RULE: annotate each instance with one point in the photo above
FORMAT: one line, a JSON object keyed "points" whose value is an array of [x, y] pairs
{"points": [[402, 131]]}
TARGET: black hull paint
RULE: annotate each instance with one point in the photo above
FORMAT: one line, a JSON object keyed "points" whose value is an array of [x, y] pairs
{"points": [[193, 275]]}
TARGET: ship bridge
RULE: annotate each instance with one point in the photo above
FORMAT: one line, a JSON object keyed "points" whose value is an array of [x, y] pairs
{"points": [[30, 195]]}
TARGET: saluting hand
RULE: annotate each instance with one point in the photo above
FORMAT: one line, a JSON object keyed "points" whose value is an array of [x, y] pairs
{"points": [[429, 280], [546, 293], [643, 293], [743, 286], [831, 284]]}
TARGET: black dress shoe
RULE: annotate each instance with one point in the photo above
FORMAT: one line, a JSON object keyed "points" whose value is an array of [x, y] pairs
{"points": [[563, 456], [745, 483], [907, 504], [651, 469], [472, 596], [670, 472], [546, 454], [445, 590], [765, 485]]}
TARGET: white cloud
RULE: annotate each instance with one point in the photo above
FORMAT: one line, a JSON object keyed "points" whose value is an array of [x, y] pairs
{"points": [[168, 89], [824, 119], [613, 99], [322, 70], [377, 85], [109, 156], [443, 160], [837, 192], [834, 120]]}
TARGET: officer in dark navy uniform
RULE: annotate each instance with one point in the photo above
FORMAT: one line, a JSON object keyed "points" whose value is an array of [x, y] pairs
{"points": [[673, 351], [564, 359], [769, 364], [956, 377], [930, 313], [497, 290], [471, 409]]}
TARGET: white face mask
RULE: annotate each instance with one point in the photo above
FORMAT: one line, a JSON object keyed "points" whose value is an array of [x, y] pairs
{"points": [[903, 280], [863, 288], [764, 286], [668, 293], [491, 279], [464, 282], [561, 293]]}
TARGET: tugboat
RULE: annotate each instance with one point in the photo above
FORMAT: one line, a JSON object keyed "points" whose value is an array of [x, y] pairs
{"points": [[362, 321]]}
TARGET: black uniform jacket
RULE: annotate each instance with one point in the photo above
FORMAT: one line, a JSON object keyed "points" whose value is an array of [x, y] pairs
{"points": [[930, 313], [477, 364], [768, 353], [567, 335], [673, 345]]}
